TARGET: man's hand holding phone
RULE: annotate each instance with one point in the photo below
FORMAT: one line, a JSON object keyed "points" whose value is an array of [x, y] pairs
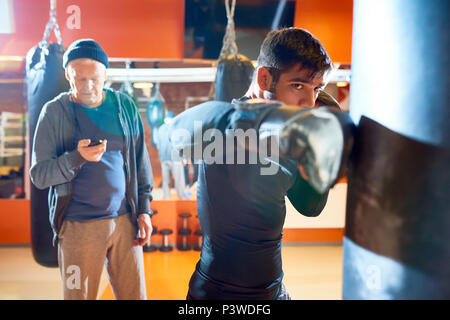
{"points": [[92, 150]]}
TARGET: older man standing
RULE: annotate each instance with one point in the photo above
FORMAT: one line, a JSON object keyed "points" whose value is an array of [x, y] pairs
{"points": [[89, 149]]}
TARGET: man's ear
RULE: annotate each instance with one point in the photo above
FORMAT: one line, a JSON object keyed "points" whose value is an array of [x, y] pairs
{"points": [[264, 79]]}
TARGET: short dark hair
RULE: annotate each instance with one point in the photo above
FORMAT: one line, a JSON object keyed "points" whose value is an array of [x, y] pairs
{"points": [[281, 49]]}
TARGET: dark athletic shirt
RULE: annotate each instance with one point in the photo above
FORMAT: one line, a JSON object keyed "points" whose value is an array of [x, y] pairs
{"points": [[242, 213]]}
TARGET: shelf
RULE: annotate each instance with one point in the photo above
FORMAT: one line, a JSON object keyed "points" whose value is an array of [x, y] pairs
{"points": [[173, 75]]}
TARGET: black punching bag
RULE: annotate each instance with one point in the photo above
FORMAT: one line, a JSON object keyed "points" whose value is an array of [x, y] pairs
{"points": [[234, 71], [234, 76], [45, 80], [398, 213]]}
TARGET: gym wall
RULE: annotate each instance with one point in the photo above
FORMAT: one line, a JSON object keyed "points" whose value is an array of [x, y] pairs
{"points": [[132, 28]]}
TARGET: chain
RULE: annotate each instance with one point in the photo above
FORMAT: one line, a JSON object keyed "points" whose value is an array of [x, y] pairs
{"points": [[51, 24], [229, 40]]}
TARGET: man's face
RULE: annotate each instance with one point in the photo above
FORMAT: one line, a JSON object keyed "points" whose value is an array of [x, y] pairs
{"points": [[296, 87], [87, 78]]}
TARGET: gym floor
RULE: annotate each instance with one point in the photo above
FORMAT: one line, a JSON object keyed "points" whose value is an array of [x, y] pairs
{"points": [[310, 272]]}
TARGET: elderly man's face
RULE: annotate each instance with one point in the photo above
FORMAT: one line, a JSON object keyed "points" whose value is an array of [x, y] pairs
{"points": [[87, 78]]}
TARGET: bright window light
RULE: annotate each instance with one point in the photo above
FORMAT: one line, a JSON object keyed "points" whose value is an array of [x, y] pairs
{"points": [[6, 16]]}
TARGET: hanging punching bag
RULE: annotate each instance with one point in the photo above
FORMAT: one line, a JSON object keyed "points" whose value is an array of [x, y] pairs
{"points": [[45, 80], [398, 214], [234, 71], [233, 77], [156, 111], [127, 87]]}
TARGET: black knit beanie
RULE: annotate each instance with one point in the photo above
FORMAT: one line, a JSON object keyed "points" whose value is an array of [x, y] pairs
{"points": [[85, 48]]}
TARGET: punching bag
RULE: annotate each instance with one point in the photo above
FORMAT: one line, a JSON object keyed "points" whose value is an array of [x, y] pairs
{"points": [[45, 80], [234, 71], [127, 87], [233, 77], [156, 112], [398, 214]]}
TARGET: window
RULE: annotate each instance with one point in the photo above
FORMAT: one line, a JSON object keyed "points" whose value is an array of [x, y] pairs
{"points": [[6, 16]]}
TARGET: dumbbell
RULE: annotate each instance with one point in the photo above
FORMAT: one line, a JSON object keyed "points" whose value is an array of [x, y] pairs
{"points": [[199, 235], [184, 245], [165, 246], [185, 217], [150, 247]]}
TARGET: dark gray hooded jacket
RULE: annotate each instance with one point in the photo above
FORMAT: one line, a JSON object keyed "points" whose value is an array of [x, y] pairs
{"points": [[55, 163]]}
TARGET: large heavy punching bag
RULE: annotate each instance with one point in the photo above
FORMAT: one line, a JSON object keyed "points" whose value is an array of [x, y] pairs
{"points": [[45, 80], [398, 214]]}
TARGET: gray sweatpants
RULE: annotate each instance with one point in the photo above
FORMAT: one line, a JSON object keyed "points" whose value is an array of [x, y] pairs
{"points": [[83, 248]]}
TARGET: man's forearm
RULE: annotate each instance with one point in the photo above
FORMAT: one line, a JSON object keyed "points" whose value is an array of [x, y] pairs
{"points": [[319, 139], [186, 131], [50, 172], [144, 172]]}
